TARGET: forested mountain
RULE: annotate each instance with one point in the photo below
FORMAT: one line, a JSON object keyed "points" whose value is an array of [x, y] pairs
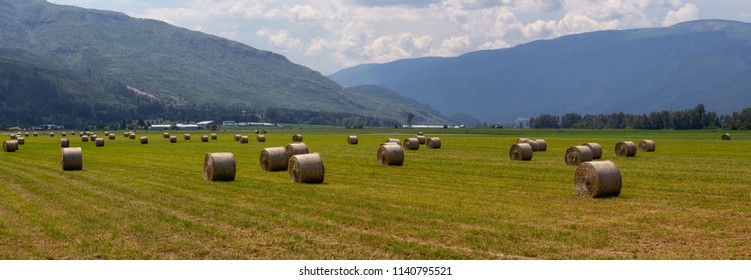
{"points": [[118, 64], [633, 71]]}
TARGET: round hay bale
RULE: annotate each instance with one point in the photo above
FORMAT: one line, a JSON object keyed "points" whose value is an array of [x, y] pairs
{"points": [[10, 146], [296, 149], [433, 143], [26, 134], [71, 159], [394, 140], [726, 136], [411, 144], [106, 133], [219, 167], [213, 136], [647, 146], [85, 138], [297, 138], [21, 140], [237, 137], [352, 140], [13, 136], [597, 179], [126, 134], [64, 134], [144, 140], [261, 138], [625, 149], [420, 133], [64, 143], [520, 151], [244, 140], [596, 150], [205, 138], [52, 134], [93, 136], [132, 135], [533, 143], [36, 134], [165, 135], [390, 154], [274, 159], [173, 139], [306, 169], [112, 136], [542, 145], [577, 154], [421, 139], [186, 136], [99, 142]]}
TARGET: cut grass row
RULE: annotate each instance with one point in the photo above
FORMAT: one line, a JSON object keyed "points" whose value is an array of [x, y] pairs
{"points": [[467, 200]]}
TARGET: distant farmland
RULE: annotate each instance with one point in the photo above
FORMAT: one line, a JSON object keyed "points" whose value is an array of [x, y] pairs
{"points": [[690, 199]]}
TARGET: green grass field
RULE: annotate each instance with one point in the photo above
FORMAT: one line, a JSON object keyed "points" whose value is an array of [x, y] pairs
{"points": [[691, 199]]}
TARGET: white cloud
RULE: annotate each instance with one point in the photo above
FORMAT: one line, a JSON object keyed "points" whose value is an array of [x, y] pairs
{"points": [[330, 35], [685, 13]]}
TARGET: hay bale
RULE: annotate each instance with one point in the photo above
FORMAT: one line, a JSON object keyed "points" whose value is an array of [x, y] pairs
{"points": [[85, 138], [596, 150], [52, 134], [261, 138], [625, 149], [10, 146], [296, 149], [577, 154], [421, 139], [647, 146], [535, 146], [433, 143], [219, 167], [411, 144], [63, 134], [352, 140], [99, 142], [36, 134], [205, 138], [213, 136], [64, 143], [106, 133], [71, 159], [144, 140], [244, 140], [274, 159], [126, 134], [186, 136], [542, 145], [394, 140], [597, 179], [112, 136], [520, 151], [390, 153], [726, 136], [420, 133], [132, 135], [13, 136], [173, 139], [26, 134], [297, 138], [165, 135], [306, 169], [21, 140], [237, 137], [93, 136]]}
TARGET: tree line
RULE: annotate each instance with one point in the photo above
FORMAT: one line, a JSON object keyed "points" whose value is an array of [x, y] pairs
{"points": [[696, 118]]}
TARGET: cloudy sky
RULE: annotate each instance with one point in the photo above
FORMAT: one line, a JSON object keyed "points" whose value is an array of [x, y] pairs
{"points": [[330, 35]]}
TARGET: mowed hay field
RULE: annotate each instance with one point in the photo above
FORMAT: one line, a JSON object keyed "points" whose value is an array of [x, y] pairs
{"points": [[690, 199]]}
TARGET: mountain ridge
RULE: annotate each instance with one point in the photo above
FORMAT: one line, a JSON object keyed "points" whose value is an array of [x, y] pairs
{"points": [[633, 71]]}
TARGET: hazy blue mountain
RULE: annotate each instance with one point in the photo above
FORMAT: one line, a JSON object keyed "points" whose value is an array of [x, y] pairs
{"points": [[633, 71], [174, 66]]}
